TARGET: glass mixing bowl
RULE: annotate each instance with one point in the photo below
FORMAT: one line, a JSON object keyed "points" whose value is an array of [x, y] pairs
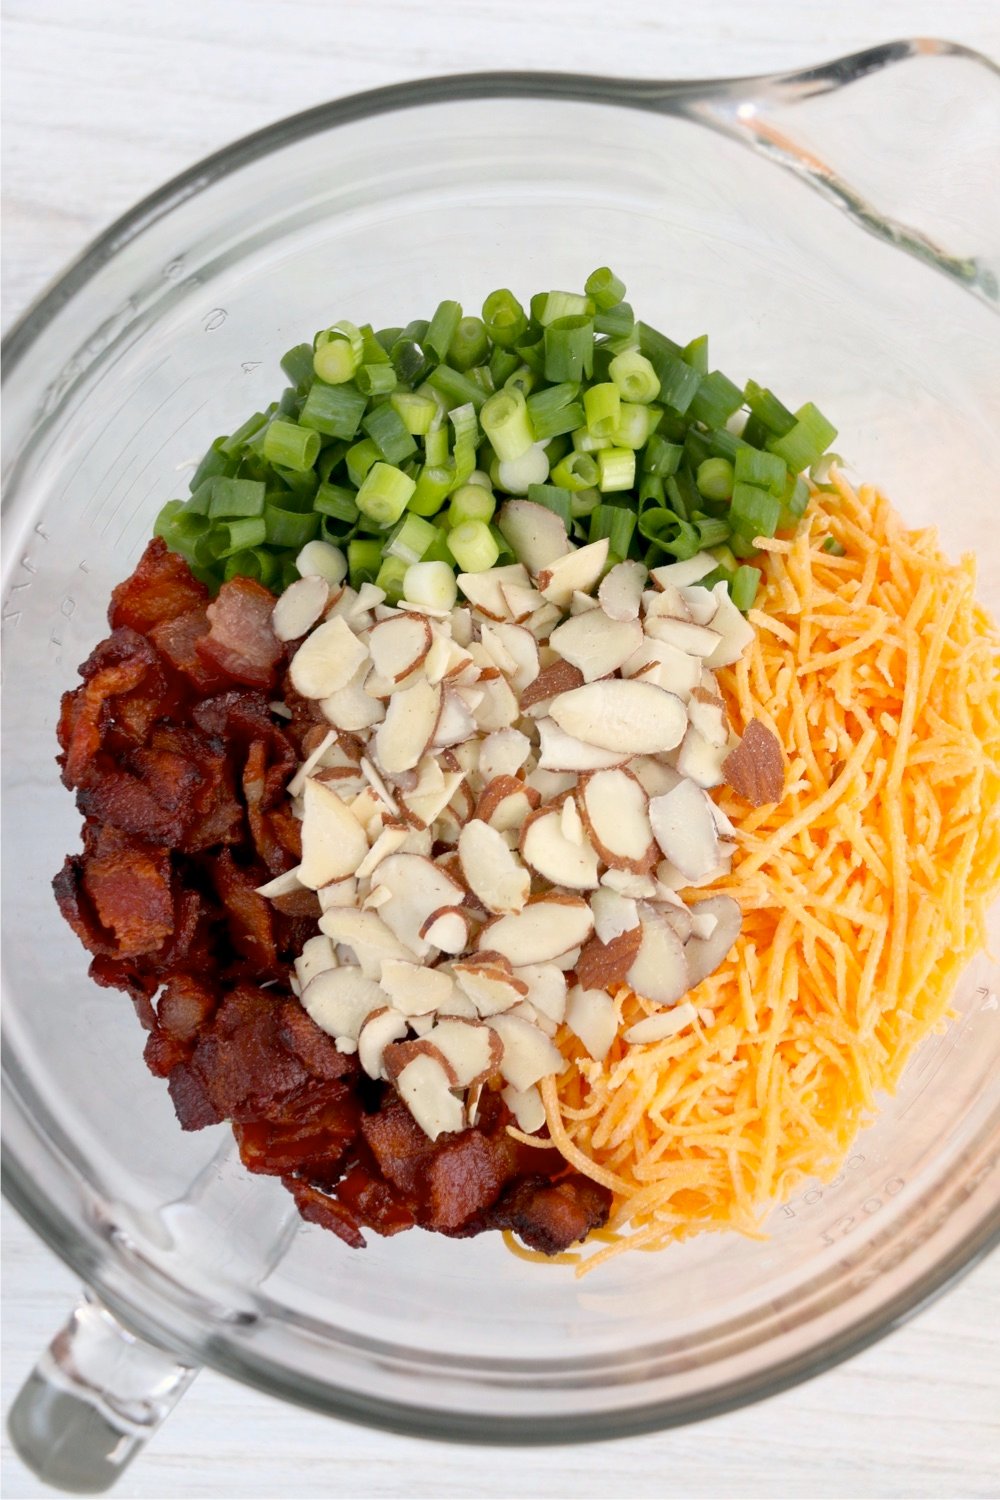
{"points": [[875, 296]]}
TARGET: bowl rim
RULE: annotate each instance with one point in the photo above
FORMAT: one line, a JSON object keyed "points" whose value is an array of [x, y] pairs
{"points": [[151, 1318]]}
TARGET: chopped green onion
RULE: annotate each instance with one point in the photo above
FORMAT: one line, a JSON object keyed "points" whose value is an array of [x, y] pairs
{"points": [[584, 441], [695, 353], [409, 360], [470, 502], [235, 441], [410, 539], [617, 523], [634, 425], [503, 363], [806, 442], [515, 474], [604, 288], [236, 497], [577, 471], [240, 535], [469, 344], [291, 446], [634, 376], [441, 328], [615, 469], [557, 422], [359, 460], [678, 381], [320, 559], [743, 589], [387, 431], [712, 531], [554, 498], [384, 493], [430, 583], [754, 512], [375, 380], [601, 405], [289, 528], [463, 419], [337, 502], [715, 400], [660, 457], [506, 423], [214, 463], [298, 365], [364, 558], [715, 479], [334, 410], [752, 466], [456, 388], [339, 352], [569, 348], [618, 325], [552, 306], [795, 500], [505, 319], [433, 484], [473, 546], [583, 502], [767, 409], [415, 412], [256, 563], [391, 577], [835, 547], [670, 533]]}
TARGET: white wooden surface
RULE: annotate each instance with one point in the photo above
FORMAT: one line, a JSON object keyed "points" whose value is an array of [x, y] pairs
{"points": [[104, 99]]}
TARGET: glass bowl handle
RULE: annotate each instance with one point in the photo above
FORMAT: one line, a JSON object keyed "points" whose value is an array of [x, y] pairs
{"points": [[95, 1397], [904, 137]]}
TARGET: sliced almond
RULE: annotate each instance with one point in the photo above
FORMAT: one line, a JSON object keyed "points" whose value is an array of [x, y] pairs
{"points": [[735, 631], [653, 775], [338, 893], [489, 982], [620, 593], [550, 785], [628, 717], [659, 970], [444, 658], [492, 872], [546, 989], [399, 644], [333, 842], [497, 708], [702, 604], [503, 753], [432, 794], [544, 618], [581, 603], [324, 743], [317, 956], [579, 569], [380, 1029], [685, 830], [705, 953], [665, 666], [401, 1054], [596, 644], [536, 535], [458, 1005], [366, 935], [638, 887], [701, 762], [417, 889], [755, 769], [327, 659], [659, 1027], [456, 723], [547, 928], [447, 928], [408, 727], [546, 849], [693, 640], [473, 1049], [424, 1088], [613, 808], [526, 1106], [707, 714], [414, 989], [601, 965], [484, 591], [613, 914], [388, 841], [528, 1055], [591, 1016], [284, 885], [571, 823], [505, 802], [559, 751], [339, 1000], [352, 707], [521, 602], [299, 607], [665, 603], [682, 573], [557, 678], [514, 650]]}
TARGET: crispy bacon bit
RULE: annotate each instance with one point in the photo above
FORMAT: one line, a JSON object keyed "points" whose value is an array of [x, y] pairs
{"points": [[161, 588], [755, 769], [466, 1175], [319, 1208], [241, 642], [550, 1216]]}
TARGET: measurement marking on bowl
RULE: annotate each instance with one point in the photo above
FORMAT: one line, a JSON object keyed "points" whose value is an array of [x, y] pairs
{"points": [[215, 319]]}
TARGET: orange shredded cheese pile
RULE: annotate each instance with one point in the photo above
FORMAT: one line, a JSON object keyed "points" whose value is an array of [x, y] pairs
{"points": [[864, 891]]}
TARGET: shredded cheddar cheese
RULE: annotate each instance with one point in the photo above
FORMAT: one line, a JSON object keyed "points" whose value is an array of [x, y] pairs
{"points": [[864, 891]]}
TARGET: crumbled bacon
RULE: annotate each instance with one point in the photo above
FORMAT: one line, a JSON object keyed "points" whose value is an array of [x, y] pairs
{"points": [[180, 769]]}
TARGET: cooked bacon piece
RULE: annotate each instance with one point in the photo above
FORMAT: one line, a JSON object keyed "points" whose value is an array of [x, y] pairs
{"points": [[309, 1140], [130, 976], [466, 1175], [161, 588], [317, 1207], [185, 1007], [373, 1202], [191, 1100], [261, 792], [251, 923], [247, 1071], [117, 667], [129, 884], [241, 642], [299, 1033], [177, 640], [550, 1216], [398, 1145]]}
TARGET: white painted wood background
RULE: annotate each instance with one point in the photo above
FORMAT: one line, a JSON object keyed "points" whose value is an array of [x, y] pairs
{"points": [[103, 100]]}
